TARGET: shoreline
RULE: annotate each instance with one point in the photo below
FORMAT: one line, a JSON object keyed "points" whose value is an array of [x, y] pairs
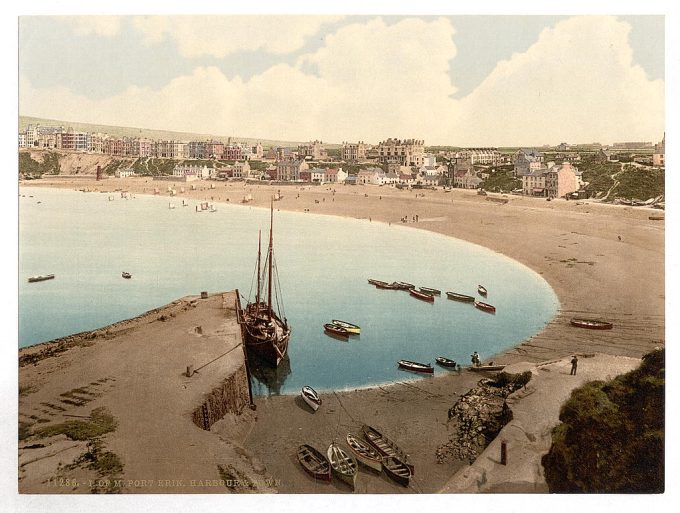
{"points": [[573, 246]]}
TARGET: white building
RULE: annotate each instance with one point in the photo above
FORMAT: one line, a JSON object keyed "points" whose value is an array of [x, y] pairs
{"points": [[124, 173], [182, 170], [371, 176]]}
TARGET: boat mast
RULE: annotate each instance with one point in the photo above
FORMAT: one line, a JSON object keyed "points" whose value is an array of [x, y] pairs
{"points": [[271, 241], [259, 245]]}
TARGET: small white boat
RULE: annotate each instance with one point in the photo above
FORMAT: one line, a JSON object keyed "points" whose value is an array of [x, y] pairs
{"points": [[344, 465], [311, 397], [364, 453]]}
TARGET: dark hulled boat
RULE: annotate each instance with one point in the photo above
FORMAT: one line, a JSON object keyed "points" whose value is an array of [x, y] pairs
{"points": [[126, 275], [40, 277], [421, 295], [336, 331], [460, 297], [415, 366], [482, 290], [266, 331], [376, 282], [485, 307], [384, 445], [445, 362], [396, 470], [591, 324], [402, 285], [389, 286], [429, 290], [314, 463]]}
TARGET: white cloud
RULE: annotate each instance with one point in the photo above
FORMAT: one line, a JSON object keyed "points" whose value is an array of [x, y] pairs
{"points": [[371, 81], [220, 36], [577, 83], [105, 26]]}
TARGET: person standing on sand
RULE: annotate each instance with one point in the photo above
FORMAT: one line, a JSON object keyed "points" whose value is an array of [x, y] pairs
{"points": [[574, 364]]}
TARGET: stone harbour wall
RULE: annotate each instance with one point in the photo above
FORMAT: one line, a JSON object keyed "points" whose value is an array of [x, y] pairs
{"points": [[231, 396]]}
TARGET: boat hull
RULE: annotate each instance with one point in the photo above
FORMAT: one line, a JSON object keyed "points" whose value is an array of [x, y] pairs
{"points": [[416, 367], [483, 368], [310, 396], [485, 307], [314, 463], [353, 329], [428, 290], [385, 446], [397, 470], [481, 290], [35, 279], [421, 295], [445, 362], [344, 466], [267, 338], [364, 453], [460, 297], [591, 324], [336, 331]]}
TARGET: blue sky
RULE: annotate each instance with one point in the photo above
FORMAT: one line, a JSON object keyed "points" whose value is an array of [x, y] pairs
{"points": [[112, 64]]}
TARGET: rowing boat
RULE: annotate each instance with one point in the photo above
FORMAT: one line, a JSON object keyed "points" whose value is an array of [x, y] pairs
{"points": [[482, 290], [344, 465], [445, 362], [376, 282], [460, 297], [415, 366], [485, 307], [311, 397], [404, 285], [428, 290], [397, 470], [41, 277], [389, 286], [384, 445], [337, 331], [592, 324], [364, 453], [314, 463], [421, 295], [353, 329], [483, 368]]}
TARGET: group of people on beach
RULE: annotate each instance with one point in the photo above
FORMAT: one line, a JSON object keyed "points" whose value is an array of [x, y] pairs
{"points": [[414, 219]]}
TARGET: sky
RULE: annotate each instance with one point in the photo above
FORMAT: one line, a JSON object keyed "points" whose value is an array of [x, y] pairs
{"points": [[450, 80]]}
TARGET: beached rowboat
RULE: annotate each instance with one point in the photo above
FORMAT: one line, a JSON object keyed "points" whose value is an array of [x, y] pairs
{"points": [[332, 329], [421, 295], [445, 362], [460, 297], [428, 290], [384, 445], [415, 366], [311, 397], [592, 324], [314, 463], [483, 368], [485, 307], [397, 470], [352, 328], [482, 290], [40, 277], [364, 453], [344, 465]]}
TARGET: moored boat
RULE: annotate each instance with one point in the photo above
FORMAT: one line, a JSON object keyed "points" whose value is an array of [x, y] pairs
{"points": [[421, 295], [384, 445], [266, 331], [460, 297], [311, 397], [365, 454], [353, 329], [376, 282], [126, 275], [344, 465], [389, 286], [592, 324], [397, 470], [445, 362], [482, 290], [429, 290], [334, 330], [40, 277], [404, 285], [314, 463], [485, 307], [415, 366]]}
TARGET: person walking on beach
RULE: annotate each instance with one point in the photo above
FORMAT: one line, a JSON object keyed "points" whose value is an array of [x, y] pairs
{"points": [[574, 364], [475, 359]]}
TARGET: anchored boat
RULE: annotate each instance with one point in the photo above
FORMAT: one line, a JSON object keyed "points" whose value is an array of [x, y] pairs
{"points": [[428, 290], [415, 366], [336, 331], [485, 307], [267, 331], [460, 297], [445, 362], [482, 290], [40, 277], [126, 275], [421, 295], [353, 329]]}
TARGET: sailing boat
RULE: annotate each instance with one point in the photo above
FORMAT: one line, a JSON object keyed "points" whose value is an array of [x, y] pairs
{"points": [[266, 332]]}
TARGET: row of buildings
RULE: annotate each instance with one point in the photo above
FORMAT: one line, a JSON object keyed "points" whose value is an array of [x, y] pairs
{"points": [[66, 138], [545, 179]]}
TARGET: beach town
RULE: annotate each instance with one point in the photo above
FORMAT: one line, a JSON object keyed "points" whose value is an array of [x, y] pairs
{"points": [[188, 395]]}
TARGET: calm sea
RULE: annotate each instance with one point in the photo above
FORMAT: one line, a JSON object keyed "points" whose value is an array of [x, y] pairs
{"points": [[323, 263]]}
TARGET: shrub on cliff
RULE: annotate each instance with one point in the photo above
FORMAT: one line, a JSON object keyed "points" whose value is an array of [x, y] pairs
{"points": [[611, 439]]}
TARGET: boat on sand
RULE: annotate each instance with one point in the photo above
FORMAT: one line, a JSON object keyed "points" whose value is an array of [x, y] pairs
{"points": [[311, 397], [384, 445], [364, 453], [591, 324], [344, 465], [397, 470], [314, 463]]}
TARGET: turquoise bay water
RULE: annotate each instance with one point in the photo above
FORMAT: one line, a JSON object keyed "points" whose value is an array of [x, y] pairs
{"points": [[323, 262]]}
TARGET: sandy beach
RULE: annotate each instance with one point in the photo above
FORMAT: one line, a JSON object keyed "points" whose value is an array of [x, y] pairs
{"points": [[603, 261]]}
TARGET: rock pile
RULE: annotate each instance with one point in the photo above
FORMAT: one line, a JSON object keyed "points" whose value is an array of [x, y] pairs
{"points": [[477, 417]]}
